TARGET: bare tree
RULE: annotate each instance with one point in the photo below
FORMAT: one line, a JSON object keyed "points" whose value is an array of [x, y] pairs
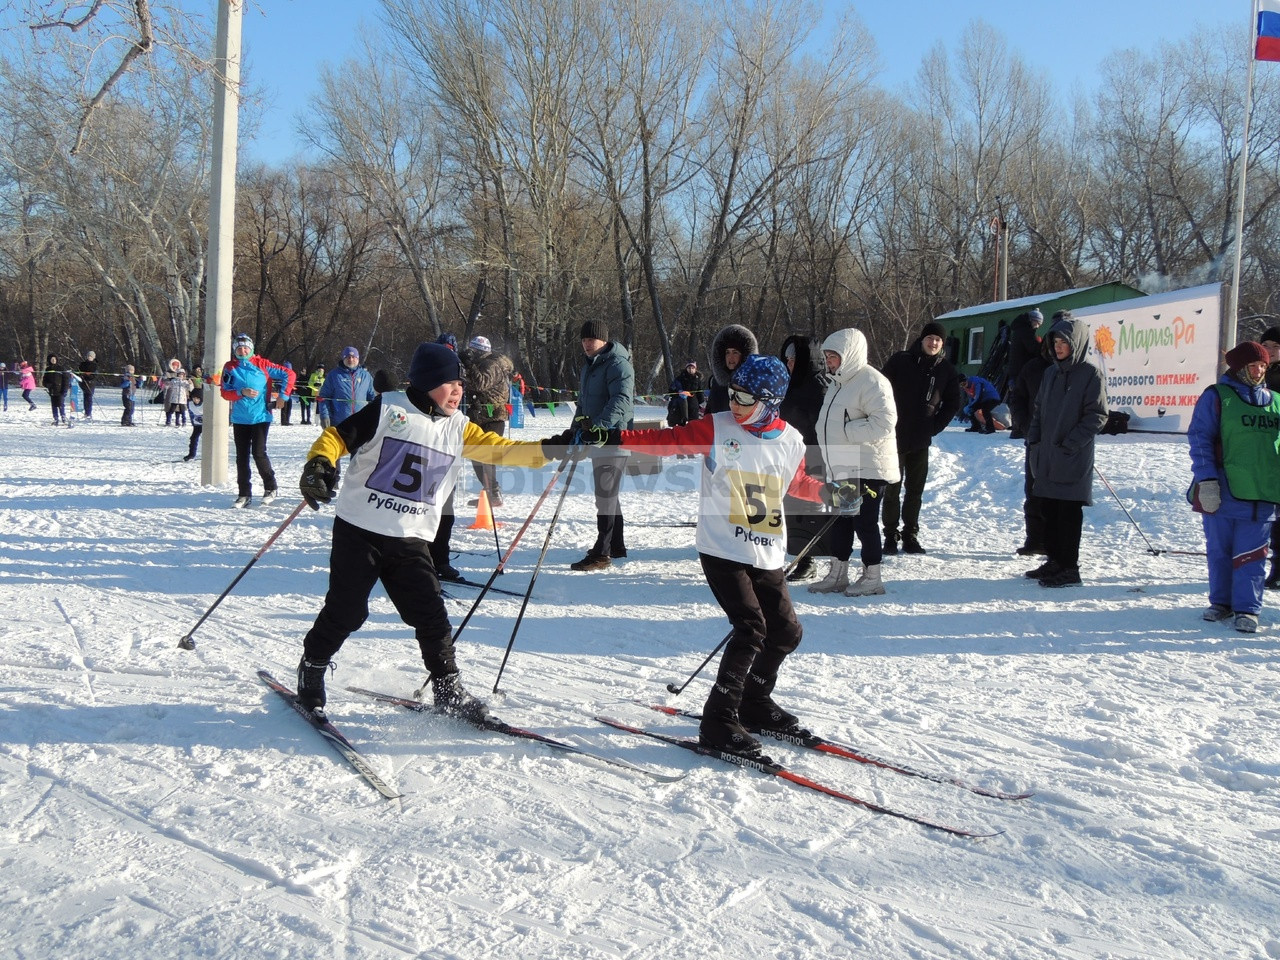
{"points": [[385, 144]]}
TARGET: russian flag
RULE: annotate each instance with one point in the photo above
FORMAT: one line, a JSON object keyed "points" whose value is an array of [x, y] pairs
{"points": [[1268, 47]]}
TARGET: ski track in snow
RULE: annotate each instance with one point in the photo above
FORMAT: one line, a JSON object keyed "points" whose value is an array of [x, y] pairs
{"points": [[157, 802]]}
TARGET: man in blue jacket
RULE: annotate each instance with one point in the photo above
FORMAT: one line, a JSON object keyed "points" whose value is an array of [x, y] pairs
{"points": [[345, 390], [983, 398], [607, 388]]}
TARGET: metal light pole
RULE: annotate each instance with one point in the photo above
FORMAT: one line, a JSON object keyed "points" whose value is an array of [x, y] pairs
{"points": [[222, 221]]}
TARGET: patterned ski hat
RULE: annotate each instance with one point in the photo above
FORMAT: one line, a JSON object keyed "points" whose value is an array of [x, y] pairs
{"points": [[480, 344], [242, 340], [764, 377]]}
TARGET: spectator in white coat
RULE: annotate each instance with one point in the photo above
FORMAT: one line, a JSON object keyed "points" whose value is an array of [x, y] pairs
{"points": [[856, 430]]}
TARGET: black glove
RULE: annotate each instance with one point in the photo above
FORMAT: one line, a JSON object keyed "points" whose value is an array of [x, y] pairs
{"points": [[844, 496], [558, 446], [318, 478]]}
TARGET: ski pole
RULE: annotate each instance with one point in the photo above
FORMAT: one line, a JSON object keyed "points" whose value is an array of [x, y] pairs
{"points": [[511, 549], [1150, 549], [188, 642], [672, 688], [555, 517]]}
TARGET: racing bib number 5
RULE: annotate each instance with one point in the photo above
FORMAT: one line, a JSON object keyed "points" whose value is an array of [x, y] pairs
{"points": [[409, 471]]}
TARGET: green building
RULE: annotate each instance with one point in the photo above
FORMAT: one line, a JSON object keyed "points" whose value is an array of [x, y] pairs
{"points": [[976, 329]]}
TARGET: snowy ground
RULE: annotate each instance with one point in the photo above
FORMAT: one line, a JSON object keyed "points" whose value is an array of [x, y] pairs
{"points": [[161, 803]]}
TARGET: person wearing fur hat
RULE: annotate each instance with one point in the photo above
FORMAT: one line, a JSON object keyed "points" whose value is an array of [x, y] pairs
{"points": [[926, 393], [247, 382], [729, 347], [406, 456], [751, 458], [1070, 408], [605, 398], [1234, 441], [488, 388], [856, 431]]}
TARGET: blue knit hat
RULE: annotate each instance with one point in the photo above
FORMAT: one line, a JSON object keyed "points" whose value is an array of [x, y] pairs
{"points": [[448, 340], [432, 365]]}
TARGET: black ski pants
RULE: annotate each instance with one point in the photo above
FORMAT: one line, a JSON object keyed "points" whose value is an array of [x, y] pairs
{"points": [[358, 560], [765, 628], [902, 500], [1063, 523], [251, 440]]}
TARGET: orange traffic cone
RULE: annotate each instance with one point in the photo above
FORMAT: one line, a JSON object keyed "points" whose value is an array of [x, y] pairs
{"points": [[484, 516]]}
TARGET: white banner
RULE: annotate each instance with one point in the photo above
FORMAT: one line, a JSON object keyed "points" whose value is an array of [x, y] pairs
{"points": [[1159, 353]]}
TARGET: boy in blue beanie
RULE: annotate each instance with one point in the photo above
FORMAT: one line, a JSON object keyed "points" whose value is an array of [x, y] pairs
{"points": [[405, 460]]}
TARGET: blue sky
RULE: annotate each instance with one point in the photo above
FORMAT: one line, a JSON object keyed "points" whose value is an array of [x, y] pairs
{"points": [[286, 41]]}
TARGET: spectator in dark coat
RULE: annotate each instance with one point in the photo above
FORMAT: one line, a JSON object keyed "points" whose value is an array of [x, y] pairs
{"points": [[57, 381], [606, 398], [1022, 399], [926, 390], [685, 404], [1070, 409], [800, 408], [1023, 345], [729, 347], [88, 380]]}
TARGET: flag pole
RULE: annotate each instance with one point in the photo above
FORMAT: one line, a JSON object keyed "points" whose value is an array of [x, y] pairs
{"points": [[1228, 335]]}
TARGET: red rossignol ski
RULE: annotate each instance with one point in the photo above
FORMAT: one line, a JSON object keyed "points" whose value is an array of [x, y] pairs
{"points": [[767, 766], [847, 752]]}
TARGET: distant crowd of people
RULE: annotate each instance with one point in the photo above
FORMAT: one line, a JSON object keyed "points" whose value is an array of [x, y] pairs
{"points": [[805, 452]]}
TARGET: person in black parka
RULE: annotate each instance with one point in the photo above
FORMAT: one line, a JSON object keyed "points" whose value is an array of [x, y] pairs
{"points": [[1023, 345], [926, 390], [800, 408], [1022, 398]]}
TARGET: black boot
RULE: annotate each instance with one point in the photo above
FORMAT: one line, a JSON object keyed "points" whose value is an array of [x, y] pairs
{"points": [[890, 545], [911, 544], [760, 712], [451, 697], [311, 683], [804, 570], [720, 728]]}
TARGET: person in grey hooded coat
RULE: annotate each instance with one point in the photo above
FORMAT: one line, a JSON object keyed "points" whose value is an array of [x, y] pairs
{"points": [[1070, 408]]}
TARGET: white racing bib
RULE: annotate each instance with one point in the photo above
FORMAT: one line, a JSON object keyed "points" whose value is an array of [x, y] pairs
{"points": [[398, 482], [743, 481]]}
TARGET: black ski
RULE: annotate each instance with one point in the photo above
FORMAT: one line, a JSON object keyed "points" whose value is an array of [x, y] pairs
{"points": [[464, 582], [847, 752], [767, 766], [331, 733], [494, 725]]}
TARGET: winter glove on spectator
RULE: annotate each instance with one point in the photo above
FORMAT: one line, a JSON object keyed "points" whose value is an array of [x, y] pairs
{"points": [[844, 496], [1210, 495], [318, 478]]}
